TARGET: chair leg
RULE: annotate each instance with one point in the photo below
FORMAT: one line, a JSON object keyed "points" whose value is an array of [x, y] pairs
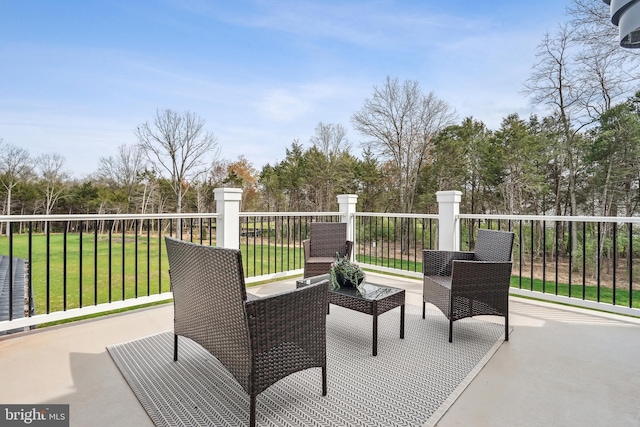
{"points": [[450, 330], [252, 411], [175, 347], [506, 327], [423, 309], [324, 380]]}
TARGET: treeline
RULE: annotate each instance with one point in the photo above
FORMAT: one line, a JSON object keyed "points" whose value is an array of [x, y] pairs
{"points": [[520, 168]]}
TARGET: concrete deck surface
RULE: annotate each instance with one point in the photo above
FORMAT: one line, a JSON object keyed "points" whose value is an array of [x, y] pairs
{"points": [[561, 367]]}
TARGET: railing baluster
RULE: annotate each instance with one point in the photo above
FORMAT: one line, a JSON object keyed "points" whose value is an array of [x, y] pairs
{"points": [[95, 264], [630, 264], [110, 249], [48, 262], [520, 237], [10, 233], [557, 253], [544, 256], [388, 241], [210, 231], [135, 257], [30, 272], [149, 256], [570, 226], [282, 247], [268, 245], [275, 244], [64, 267], [532, 254], [80, 275], [160, 243], [584, 260], [381, 241], [598, 264], [123, 260], [615, 261], [431, 234], [395, 240]]}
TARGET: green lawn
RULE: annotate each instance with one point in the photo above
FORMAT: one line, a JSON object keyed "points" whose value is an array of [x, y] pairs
{"points": [[98, 282], [591, 292], [125, 277], [404, 264], [129, 275], [262, 259]]}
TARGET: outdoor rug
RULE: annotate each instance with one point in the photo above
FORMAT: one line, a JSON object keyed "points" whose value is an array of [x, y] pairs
{"points": [[411, 382]]}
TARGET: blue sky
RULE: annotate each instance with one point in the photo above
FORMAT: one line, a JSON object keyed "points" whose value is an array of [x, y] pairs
{"points": [[77, 76]]}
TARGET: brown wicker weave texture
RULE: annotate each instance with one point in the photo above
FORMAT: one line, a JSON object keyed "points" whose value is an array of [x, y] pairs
{"points": [[325, 240], [259, 340], [373, 307], [465, 284]]}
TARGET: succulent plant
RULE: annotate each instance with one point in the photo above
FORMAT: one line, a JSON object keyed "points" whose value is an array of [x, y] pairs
{"points": [[344, 272]]}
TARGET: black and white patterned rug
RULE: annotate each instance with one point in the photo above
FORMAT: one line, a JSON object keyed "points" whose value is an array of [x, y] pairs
{"points": [[412, 382]]}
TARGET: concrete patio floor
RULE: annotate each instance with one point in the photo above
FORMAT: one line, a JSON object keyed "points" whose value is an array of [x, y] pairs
{"points": [[561, 367]]}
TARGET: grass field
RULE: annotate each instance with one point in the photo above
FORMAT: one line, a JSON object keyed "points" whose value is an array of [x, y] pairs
{"points": [[116, 271], [591, 293], [139, 267]]}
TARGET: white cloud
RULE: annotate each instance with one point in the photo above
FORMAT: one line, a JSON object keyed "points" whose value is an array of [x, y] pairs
{"points": [[282, 105]]}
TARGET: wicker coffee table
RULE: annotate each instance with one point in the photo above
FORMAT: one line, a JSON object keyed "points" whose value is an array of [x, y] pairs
{"points": [[370, 299]]}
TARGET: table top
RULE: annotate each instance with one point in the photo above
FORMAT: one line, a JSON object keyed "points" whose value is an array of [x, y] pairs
{"points": [[366, 291]]}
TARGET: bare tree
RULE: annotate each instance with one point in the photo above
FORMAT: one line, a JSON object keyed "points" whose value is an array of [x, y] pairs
{"points": [[201, 182], [123, 170], [556, 83], [149, 184], [178, 144], [52, 177], [331, 142], [401, 121], [14, 166], [607, 72], [330, 139]]}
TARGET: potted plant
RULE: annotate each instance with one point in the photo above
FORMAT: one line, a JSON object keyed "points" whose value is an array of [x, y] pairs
{"points": [[345, 273]]}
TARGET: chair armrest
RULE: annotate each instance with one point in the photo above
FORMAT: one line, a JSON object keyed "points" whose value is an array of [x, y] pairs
{"points": [[438, 263], [296, 316], [251, 297], [306, 248], [480, 276]]}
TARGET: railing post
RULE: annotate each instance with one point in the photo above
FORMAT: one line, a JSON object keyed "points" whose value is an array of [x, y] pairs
{"points": [[347, 205], [448, 223], [228, 222]]}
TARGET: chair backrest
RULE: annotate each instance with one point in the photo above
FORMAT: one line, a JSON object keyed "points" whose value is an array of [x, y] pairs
{"points": [[327, 238], [209, 298], [493, 245]]}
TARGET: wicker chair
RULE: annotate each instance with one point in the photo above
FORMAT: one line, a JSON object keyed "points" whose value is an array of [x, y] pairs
{"points": [[465, 284], [258, 340], [325, 240]]}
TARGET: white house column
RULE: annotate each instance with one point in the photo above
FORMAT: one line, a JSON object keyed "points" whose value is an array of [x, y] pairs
{"points": [[228, 222], [347, 205], [448, 224]]}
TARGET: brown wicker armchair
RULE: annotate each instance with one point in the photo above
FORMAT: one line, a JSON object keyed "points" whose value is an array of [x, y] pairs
{"points": [[325, 240], [465, 284], [259, 340]]}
